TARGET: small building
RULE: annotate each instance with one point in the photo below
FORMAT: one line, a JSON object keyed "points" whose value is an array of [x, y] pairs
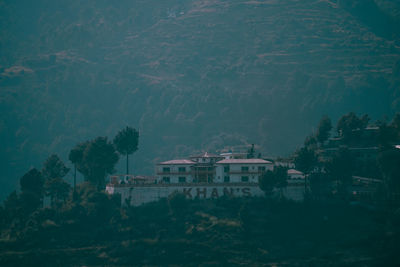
{"points": [[295, 174]]}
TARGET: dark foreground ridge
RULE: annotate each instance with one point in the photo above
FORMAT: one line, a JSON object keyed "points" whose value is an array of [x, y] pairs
{"points": [[243, 231]]}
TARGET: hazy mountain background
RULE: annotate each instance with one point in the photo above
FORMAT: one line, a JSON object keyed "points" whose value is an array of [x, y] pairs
{"points": [[189, 74]]}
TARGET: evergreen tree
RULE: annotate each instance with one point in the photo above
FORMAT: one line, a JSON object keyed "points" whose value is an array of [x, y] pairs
{"points": [[31, 190], [53, 172], [276, 178], [341, 168], [126, 143], [53, 167], [76, 156], [350, 126], [324, 129], [305, 161], [98, 160], [389, 163]]}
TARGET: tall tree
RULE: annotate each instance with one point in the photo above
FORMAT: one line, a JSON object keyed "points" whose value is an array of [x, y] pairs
{"points": [[341, 168], [98, 160], [305, 161], [54, 170], [276, 178], [389, 163], [31, 190], [54, 167], [324, 129], [12, 207], [32, 181], [76, 156], [350, 127], [126, 143], [311, 142]]}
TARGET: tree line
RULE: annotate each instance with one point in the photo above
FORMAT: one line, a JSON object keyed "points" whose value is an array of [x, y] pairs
{"points": [[326, 161], [95, 159]]}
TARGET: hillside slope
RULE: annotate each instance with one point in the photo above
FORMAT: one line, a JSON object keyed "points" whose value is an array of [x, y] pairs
{"points": [[191, 75]]}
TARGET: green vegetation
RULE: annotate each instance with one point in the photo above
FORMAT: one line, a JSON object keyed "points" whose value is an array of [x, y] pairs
{"points": [[277, 178], [191, 75], [95, 159], [89, 227], [95, 231], [53, 172], [323, 130], [126, 142], [361, 148]]}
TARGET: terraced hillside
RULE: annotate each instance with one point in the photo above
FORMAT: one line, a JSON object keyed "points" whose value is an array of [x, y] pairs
{"points": [[191, 75]]}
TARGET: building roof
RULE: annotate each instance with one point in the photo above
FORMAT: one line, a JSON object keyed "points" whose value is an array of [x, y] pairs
{"points": [[293, 171], [243, 161], [206, 155], [177, 162]]}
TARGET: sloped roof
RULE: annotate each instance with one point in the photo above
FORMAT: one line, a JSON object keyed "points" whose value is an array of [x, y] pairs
{"points": [[293, 171], [177, 162], [243, 161]]}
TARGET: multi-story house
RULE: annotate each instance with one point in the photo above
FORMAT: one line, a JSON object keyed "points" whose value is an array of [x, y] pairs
{"points": [[210, 168]]}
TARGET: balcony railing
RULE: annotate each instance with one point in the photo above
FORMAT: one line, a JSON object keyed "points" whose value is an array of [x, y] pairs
{"points": [[174, 173], [247, 172]]}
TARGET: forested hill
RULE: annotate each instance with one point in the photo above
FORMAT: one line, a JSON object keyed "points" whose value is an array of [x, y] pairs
{"points": [[190, 75]]}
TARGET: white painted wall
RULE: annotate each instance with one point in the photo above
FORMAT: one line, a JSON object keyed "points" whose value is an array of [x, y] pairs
{"points": [[174, 173], [140, 194], [235, 172]]}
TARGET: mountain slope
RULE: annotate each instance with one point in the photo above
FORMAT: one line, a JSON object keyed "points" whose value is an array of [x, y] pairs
{"points": [[191, 75]]}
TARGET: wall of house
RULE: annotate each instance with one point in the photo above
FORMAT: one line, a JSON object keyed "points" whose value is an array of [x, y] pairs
{"points": [[236, 173], [174, 173]]}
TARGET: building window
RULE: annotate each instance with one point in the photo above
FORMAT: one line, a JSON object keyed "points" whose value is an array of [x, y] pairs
{"points": [[261, 168], [182, 169], [245, 169], [210, 168], [182, 179], [166, 180], [245, 178], [226, 168], [166, 169], [227, 179]]}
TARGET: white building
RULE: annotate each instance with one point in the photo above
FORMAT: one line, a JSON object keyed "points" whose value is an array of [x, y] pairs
{"points": [[241, 170], [201, 176], [175, 171], [210, 168]]}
